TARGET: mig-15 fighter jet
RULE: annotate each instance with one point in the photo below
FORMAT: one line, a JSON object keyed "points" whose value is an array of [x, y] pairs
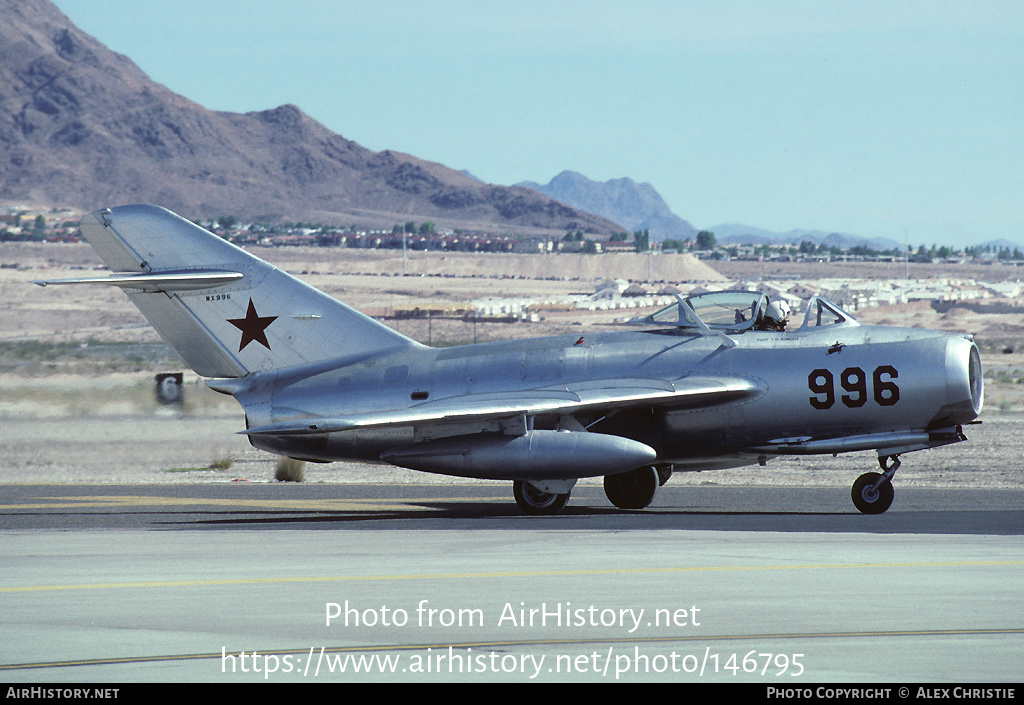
{"points": [[713, 381]]}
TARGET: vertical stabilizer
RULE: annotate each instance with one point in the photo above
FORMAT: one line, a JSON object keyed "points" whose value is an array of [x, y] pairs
{"points": [[223, 324]]}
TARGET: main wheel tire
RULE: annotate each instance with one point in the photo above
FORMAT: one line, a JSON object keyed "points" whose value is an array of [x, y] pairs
{"points": [[534, 501], [632, 490], [870, 501]]}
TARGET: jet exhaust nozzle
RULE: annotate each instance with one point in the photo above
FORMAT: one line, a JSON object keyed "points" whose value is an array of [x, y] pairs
{"points": [[536, 455]]}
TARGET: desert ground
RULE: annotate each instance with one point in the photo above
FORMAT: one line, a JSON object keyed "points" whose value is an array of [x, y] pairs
{"points": [[77, 364]]}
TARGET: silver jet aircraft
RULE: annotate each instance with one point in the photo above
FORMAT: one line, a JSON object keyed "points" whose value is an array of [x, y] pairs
{"points": [[703, 385]]}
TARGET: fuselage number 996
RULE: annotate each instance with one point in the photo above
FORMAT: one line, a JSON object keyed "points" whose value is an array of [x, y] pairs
{"points": [[853, 383]]}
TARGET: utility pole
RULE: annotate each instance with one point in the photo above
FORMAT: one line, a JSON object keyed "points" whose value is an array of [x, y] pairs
{"points": [[906, 254]]}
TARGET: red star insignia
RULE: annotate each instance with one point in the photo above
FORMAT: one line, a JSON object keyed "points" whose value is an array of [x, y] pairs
{"points": [[253, 327]]}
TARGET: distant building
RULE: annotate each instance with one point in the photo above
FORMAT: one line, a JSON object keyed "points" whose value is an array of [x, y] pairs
{"points": [[803, 291]]}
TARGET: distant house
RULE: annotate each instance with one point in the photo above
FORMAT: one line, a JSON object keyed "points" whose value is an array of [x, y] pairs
{"points": [[803, 291], [616, 246], [768, 290]]}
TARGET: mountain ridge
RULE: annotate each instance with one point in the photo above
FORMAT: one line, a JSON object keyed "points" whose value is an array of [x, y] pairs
{"points": [[82, 126], [736, 234], [636, 206]]}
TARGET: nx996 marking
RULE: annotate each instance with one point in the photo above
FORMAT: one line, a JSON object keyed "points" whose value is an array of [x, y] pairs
{"points": [[715, 380], [854, 382]]}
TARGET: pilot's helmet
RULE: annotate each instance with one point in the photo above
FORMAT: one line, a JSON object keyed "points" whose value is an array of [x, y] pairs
{"points": [[777, 311]]}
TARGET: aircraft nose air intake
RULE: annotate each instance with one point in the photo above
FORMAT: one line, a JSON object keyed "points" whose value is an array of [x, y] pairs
{"points": [[964, 386], [975, 376]]}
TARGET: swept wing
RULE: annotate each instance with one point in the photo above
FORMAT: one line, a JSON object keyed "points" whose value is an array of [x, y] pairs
{"points": [[608, 396]]}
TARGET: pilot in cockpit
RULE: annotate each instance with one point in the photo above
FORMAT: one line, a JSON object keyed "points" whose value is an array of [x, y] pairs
{"points": [[776, 316]]}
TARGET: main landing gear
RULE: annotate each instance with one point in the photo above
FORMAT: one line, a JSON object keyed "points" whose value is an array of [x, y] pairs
{"points": [[872, 492], [634, 489], [535, 500]]}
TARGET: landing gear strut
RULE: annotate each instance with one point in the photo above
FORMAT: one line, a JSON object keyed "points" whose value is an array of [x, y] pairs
{"points": [[872, 492]]}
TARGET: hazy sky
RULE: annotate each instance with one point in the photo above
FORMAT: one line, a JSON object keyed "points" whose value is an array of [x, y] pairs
{"points": [[876, 118]]}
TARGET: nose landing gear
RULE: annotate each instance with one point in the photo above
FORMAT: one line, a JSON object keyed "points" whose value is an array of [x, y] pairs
{"points": [[872, 492]]}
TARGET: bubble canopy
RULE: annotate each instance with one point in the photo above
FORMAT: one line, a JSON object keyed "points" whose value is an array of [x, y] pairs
{"points": [[736, 311]]}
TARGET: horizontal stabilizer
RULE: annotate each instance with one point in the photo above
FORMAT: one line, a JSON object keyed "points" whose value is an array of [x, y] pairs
{"points": [[156, 281]]}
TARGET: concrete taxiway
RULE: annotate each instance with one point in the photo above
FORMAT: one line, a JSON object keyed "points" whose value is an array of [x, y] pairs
{"points": [[302, 583]]}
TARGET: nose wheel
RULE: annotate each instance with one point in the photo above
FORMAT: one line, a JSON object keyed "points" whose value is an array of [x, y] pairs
{"points": [[872, 492]]}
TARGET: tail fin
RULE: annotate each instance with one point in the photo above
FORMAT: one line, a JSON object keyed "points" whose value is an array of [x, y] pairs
{"points": [[225, 311]]}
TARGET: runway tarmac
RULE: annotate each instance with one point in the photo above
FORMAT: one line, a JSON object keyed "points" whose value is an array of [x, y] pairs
{"points": [[306, 583]]}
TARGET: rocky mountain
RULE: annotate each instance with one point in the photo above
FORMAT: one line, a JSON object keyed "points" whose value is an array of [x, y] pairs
{"points": [[84, 127], [635, 206]]}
